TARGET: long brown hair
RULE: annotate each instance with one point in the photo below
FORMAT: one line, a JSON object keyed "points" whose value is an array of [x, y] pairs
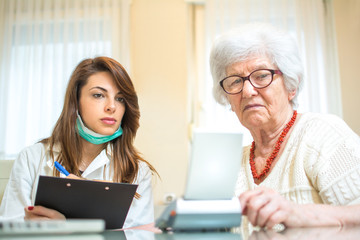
{"points": [[125, 158]]}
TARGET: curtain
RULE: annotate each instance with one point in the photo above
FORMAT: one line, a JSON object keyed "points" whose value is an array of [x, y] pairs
{"points": [[310, 22], [42, 42]]}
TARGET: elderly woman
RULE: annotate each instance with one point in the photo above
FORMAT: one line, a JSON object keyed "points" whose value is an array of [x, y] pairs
{"points": [[302, 169]]}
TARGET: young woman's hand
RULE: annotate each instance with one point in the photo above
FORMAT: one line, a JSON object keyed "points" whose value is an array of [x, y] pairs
{"points": [[73, 176], [42, 213]]}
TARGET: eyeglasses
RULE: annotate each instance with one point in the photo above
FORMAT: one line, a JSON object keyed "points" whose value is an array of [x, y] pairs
{"points": [[260, 78]]}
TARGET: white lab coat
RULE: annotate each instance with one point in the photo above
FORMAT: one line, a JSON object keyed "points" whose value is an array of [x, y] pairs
{"points": [[34, 161]]}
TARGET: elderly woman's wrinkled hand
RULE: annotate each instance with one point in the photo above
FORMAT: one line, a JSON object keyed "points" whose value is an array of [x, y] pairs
{"points": [[265, 208]]}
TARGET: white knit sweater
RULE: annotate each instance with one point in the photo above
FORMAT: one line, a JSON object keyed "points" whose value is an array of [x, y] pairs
{"points": [[320, 163]]}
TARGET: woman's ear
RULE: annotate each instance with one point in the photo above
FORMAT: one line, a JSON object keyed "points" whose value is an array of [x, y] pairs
{"points": [[229, 103], [291, 95], [231, 108]]}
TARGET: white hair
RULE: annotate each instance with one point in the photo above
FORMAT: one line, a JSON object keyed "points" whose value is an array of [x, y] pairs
{"points": [[256, 39]]}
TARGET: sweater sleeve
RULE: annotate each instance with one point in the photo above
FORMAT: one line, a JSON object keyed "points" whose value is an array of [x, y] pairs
{"points": [[333, 160]]}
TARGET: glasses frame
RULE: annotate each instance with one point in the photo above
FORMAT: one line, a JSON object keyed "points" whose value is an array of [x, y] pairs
{"points": [[248, 78]]}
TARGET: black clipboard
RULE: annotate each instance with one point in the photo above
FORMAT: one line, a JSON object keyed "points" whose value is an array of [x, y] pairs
{"points": [[78, 198]]}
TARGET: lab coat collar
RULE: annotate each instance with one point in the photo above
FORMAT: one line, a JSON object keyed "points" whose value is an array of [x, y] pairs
{"points": [[100, 160]]}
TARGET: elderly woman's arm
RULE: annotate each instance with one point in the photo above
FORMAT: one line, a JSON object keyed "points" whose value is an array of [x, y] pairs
{"points": [[265, 208]]}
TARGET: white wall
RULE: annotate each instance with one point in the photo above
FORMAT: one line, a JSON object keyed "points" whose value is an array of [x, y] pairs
{"points": [[159, 71], [347, 23]]}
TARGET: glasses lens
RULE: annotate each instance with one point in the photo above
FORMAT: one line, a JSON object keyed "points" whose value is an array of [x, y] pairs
{"points": [[261, 78], [233, 84]]}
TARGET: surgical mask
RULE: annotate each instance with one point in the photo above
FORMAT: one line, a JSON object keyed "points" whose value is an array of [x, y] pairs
{"points": [[94, 137]]}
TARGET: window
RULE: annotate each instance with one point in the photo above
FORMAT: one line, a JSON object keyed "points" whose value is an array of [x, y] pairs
{"points": [[43, 42]]}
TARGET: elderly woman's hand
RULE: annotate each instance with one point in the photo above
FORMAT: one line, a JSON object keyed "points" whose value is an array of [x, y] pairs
{"points": [[264, 208]]}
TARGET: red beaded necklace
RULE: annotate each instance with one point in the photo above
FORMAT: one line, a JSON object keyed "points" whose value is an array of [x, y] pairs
{"points": [[273, 155]]}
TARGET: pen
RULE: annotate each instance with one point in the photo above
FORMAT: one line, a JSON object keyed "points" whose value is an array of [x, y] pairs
{"points": [[61, 168]]}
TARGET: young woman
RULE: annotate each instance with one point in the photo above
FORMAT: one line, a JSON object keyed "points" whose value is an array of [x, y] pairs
{"points": [[93, 139]]}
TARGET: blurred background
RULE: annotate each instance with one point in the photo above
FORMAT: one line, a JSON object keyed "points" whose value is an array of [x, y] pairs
{"points": [[164, 45]]}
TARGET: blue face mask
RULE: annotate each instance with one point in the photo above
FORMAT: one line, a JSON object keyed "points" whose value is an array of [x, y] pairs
{"points": [[94, 137]]}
